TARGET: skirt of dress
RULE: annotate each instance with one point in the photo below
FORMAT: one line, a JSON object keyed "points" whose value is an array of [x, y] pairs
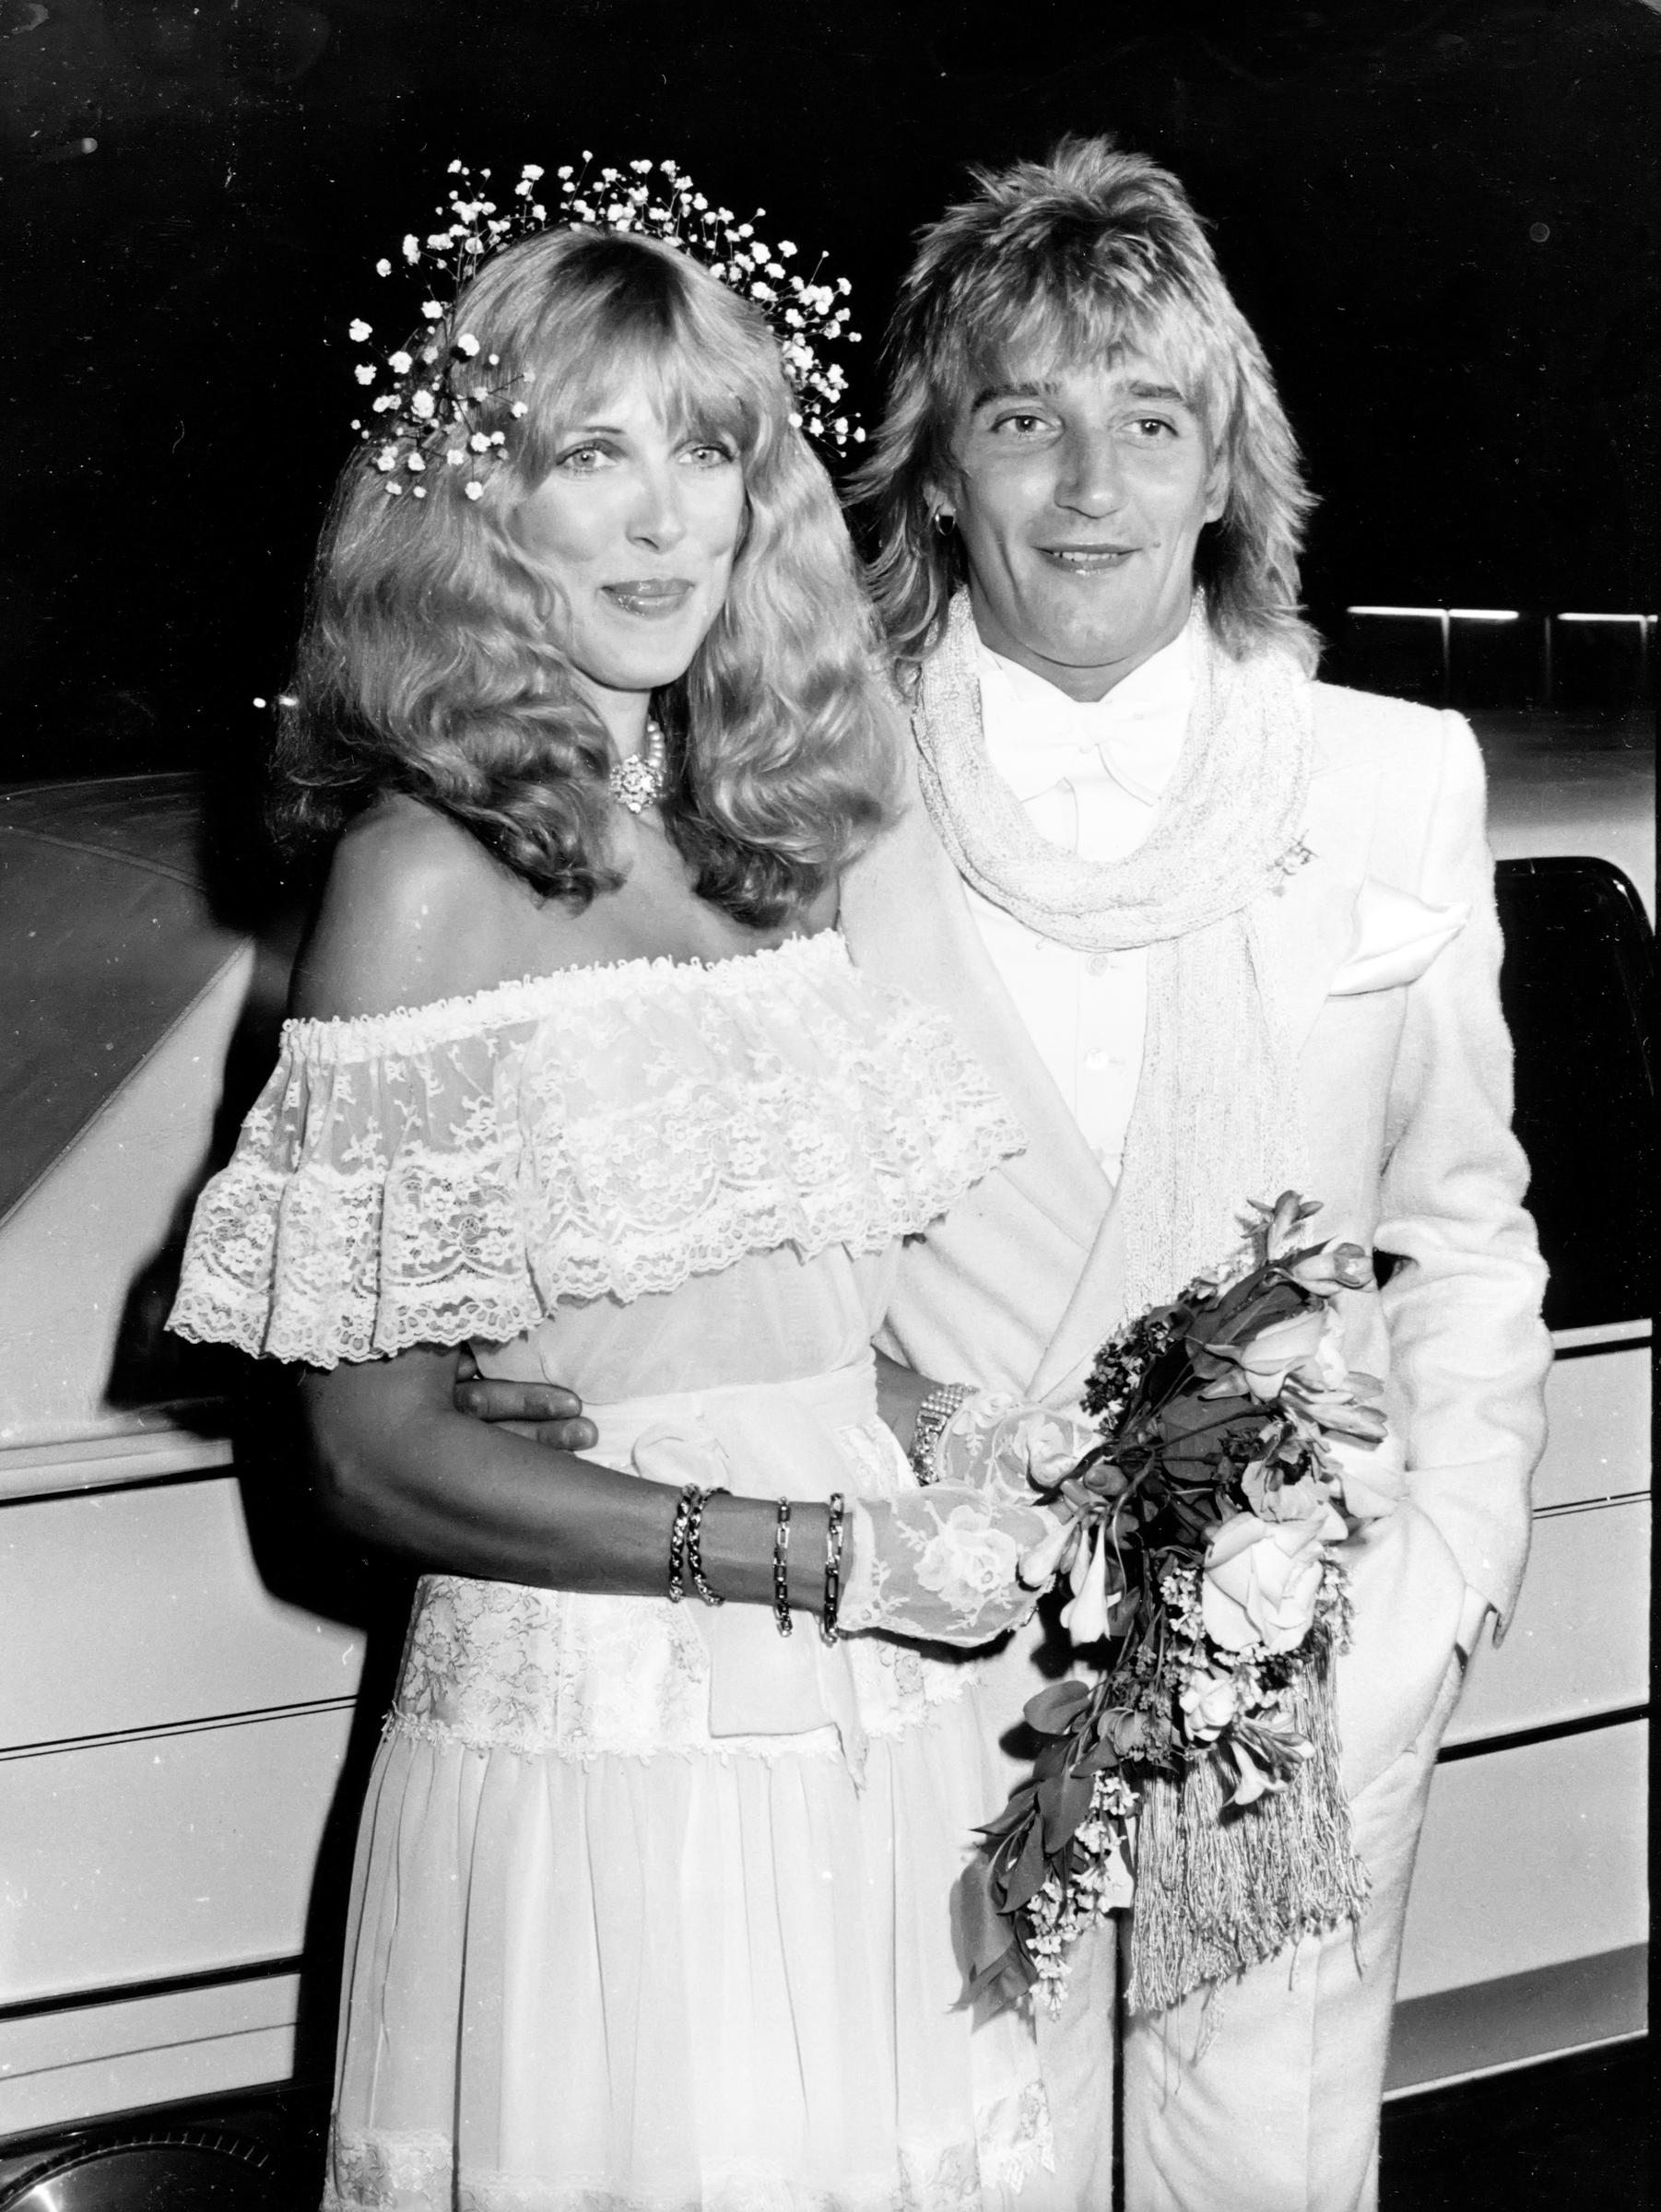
{"points": [[705, 1977]]}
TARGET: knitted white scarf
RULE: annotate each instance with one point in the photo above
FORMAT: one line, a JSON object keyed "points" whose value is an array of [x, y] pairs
{"points": [[1217, 1117]]}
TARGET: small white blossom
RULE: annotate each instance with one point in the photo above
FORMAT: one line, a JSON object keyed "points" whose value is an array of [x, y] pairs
{"points": [[415, 464], [422, 405], [520, 408], [479, 442], [399, 363], [383, 268], [466, 343], [431, 310], [358, 331], [364, 372], [412, 247], [474, 491]]}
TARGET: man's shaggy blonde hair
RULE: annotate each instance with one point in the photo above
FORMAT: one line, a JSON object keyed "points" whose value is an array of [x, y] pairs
{"points": [[1078, 260], [430, 662]]}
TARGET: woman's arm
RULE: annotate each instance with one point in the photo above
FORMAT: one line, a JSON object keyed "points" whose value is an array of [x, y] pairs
{"points": [[402, 1469]]}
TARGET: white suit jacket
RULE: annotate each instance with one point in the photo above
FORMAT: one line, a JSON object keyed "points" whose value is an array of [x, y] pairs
{"points": [[1405, 1089]]}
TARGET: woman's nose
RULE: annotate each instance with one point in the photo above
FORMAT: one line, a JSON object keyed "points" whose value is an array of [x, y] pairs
{"points": [[658, 518]]}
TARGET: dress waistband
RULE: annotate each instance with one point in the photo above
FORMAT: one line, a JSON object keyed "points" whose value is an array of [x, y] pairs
{"points": [[765, 1439], [843, 1397]]}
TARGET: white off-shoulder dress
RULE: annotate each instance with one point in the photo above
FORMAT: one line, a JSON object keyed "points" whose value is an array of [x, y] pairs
{"points": [[653, 1907]]}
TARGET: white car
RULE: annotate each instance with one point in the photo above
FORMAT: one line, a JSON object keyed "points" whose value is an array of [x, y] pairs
{"points": [[181, 1735]]}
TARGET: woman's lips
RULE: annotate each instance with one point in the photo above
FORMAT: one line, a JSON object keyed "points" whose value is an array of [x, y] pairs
{"points": [[652, 597]]}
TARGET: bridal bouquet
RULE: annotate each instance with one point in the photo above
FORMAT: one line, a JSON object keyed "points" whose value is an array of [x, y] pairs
{"points": [[1236, 1451]]}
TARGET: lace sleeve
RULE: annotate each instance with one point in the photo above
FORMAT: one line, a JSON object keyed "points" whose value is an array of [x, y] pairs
{"points": [[970, 1556], [371, 1204], [941, 1565]]}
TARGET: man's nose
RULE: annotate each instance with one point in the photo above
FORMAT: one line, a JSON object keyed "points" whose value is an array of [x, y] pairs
{"points": [[1091, 478], [658, 517]]}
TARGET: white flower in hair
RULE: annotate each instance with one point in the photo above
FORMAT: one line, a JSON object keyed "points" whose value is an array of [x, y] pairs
{"points": [[430, 403]]}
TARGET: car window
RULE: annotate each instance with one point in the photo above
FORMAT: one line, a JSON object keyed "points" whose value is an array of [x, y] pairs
{"points": [[1576, 981]]}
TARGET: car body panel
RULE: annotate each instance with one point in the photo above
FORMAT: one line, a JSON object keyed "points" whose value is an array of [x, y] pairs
{"points": [[175, 1719]]}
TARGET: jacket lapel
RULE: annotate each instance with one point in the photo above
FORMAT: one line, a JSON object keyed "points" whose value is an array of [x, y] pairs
{"points": [[907, 922]]}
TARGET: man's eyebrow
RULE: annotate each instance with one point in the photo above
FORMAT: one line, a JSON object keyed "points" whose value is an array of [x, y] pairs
{"points": [[1034, 389], [984, 397]]}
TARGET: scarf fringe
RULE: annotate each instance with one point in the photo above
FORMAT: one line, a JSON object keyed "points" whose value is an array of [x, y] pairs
{"points": [[1217, 1892]]}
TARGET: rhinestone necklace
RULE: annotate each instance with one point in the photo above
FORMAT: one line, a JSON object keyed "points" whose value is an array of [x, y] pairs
{"points": [[641, 780]]}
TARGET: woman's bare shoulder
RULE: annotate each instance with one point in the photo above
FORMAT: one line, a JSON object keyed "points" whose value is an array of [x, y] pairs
{"points": [[414, 909]]}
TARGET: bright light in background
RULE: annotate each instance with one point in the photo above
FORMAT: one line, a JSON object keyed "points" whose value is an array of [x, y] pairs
{"points": [[1442, 614], [1645, 620]]}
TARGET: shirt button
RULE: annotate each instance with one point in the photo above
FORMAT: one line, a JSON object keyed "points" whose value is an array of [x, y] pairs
{"points": [[1095, 1062], [1098, 963]]}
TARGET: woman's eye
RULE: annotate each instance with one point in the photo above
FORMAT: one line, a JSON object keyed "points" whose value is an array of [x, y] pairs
{"points": [[1153, 427], [583, 459], [709, 455]]}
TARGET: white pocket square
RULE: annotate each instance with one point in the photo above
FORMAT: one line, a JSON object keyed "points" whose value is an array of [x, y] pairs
{"points": [[1396, 936]]}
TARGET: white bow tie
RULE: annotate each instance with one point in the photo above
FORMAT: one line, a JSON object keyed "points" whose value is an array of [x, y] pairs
{"points": [[1132, 737], [1032, 755]]}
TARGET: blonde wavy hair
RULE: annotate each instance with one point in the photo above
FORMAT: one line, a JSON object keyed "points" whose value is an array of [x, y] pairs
{"points": [[429, 663], [1081, 259]]}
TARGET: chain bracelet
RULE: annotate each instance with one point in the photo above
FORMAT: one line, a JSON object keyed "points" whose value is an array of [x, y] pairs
{"points": [[833, 1568], [694, 1552], [691, 1497], [781, 1570]]}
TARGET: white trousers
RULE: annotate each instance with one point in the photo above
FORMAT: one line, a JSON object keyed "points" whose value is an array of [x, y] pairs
{"points": [[1281, 2112]]}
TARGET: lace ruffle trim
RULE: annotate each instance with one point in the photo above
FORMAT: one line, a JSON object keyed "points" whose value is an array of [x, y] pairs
{"points": [[375, 2171], [452, 1174]]}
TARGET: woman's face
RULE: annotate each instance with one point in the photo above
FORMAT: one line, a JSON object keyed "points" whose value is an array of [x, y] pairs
{"points": [[637, 527]]}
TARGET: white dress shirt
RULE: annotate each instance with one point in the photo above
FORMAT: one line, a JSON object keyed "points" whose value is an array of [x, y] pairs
{"points": [[1089, 776]]}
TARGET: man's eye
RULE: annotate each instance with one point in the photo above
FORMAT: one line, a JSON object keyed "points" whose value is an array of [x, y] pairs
{"points": [[1153, 427], [1021, 426]]}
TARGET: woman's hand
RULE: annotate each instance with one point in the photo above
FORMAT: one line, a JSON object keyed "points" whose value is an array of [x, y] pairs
{"points": [[942, 1564]]}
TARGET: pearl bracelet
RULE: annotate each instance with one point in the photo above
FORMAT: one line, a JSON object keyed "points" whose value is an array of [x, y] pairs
{"points": [[934, 1416]]}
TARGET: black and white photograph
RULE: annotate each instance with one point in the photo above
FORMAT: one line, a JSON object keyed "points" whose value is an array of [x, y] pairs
{"points": [[828, 1212]]}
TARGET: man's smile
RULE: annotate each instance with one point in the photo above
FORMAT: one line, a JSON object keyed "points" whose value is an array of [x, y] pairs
{"points": [[1086, 560]]}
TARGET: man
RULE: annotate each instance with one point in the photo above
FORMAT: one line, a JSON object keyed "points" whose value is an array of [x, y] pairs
{"points": [[1217, 930]]}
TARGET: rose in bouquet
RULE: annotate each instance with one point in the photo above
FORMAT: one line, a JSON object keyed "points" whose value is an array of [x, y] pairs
{"points": [[1198, 1541]]}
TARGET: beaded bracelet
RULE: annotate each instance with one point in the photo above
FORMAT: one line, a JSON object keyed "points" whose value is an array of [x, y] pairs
{"points": [[933, 1417], [781, 1570], [833, 1569], [691, 1498], [694, 1552]]}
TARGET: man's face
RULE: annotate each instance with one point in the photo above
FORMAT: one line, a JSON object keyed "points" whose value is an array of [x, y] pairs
{"points": [[1079, 495]]}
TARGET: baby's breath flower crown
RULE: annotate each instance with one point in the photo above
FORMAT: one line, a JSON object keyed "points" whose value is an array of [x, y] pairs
{"points": [[426, 417]]}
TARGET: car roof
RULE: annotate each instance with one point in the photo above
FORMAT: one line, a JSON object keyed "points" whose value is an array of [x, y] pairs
{"points": [[1559, 786], [109, 938]]}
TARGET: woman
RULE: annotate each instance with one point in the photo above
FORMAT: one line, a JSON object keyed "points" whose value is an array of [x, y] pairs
{"points": [[652, 1901]]}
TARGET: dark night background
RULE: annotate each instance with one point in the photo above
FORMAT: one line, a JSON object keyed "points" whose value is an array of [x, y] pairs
{"points": [[1443, 219]]}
